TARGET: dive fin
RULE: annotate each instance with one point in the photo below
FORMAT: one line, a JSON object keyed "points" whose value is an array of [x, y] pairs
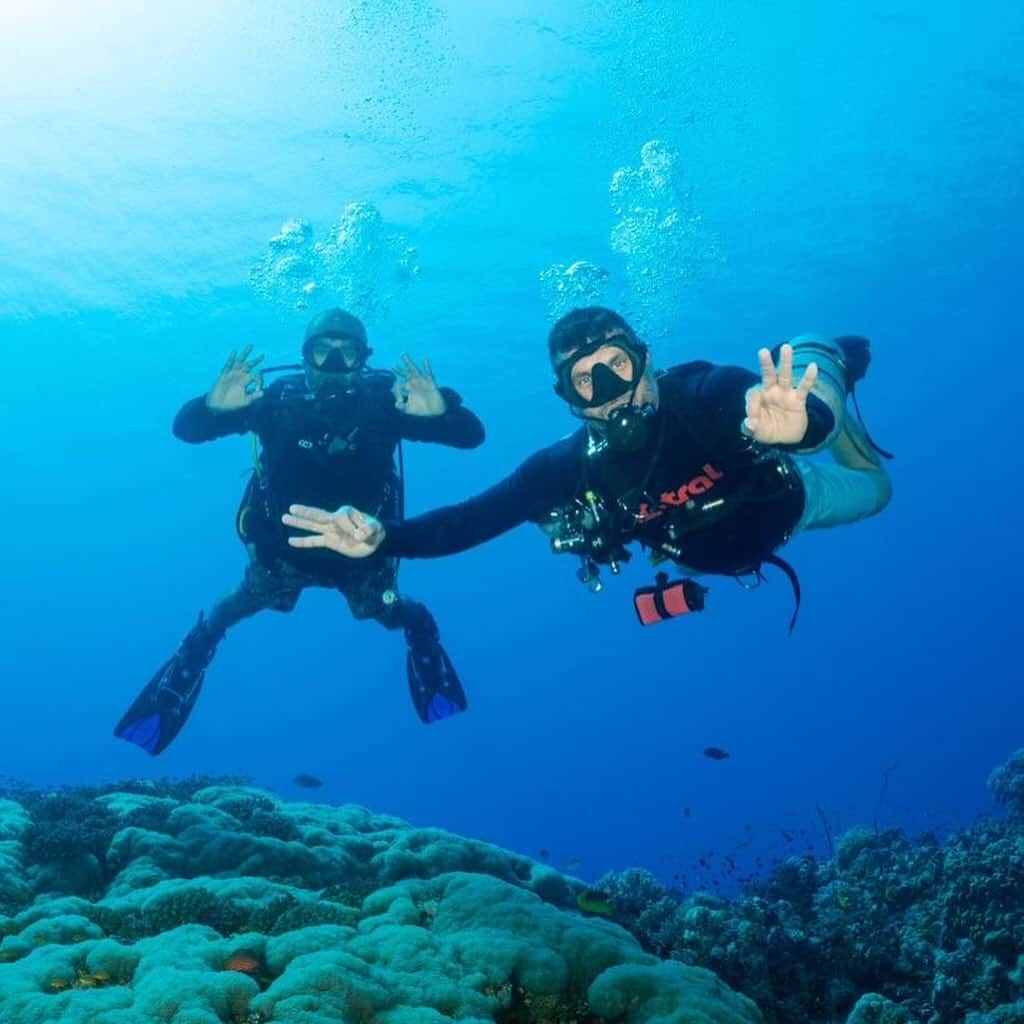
{"points": [[160, 711], [857, 357], [433, 683]]}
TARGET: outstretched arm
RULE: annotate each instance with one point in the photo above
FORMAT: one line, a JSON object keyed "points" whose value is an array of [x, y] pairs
{"points": [[538, 485]]}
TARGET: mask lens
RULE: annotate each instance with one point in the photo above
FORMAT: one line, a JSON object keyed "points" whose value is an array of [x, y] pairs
{"points": [[329, 356], [588, 383], [320, 349]]}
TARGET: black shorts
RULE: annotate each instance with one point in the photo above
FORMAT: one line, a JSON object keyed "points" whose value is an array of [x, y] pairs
{"points": [[370, 588]]}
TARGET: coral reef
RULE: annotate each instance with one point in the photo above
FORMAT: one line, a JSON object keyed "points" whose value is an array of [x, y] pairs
{"points": [[1007, 784], [218, 902], [211, 900], [889, 929]]}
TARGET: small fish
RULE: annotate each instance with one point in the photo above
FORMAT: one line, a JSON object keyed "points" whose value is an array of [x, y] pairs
{"points": [[307, 781], [543, 854], [716, 753], [245, 961], [594, 901], [686, 812]]}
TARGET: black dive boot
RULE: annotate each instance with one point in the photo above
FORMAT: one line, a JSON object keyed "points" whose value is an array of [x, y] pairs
{"points": [[433, 682], [162, 708]]}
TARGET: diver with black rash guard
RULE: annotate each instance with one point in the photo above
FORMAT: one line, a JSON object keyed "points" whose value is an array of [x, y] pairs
{"points": [[703, 465], [328, 432]]}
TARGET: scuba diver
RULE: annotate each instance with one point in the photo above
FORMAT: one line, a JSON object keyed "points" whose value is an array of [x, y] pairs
{"points": [[328, 433], [705, 466]]}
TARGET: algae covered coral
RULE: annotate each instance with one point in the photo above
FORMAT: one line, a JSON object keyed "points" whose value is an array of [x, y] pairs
{"points": [[221, 903], [209, 901]]}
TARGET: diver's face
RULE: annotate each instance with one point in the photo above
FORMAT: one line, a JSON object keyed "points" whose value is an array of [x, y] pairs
{"points": [[614, 358], [321, 349]]}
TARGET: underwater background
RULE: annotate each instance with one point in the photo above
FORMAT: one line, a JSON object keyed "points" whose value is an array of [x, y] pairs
{"points": [[181, 180]]}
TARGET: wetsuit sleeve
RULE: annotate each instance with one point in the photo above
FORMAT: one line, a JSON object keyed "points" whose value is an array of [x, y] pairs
{"points": [[723, 394], [196, 422], [820, 422], [457, 427], [540, 484]]}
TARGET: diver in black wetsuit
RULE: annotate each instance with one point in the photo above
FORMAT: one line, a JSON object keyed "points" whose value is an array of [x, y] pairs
{"points": [[329, 434], [703, 465]]}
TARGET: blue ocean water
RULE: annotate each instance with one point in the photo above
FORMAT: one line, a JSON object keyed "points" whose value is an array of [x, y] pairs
{"points": [[735, 174]]}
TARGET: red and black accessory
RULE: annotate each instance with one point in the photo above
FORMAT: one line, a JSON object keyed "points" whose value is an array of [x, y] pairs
{"points": [[668, 599]]}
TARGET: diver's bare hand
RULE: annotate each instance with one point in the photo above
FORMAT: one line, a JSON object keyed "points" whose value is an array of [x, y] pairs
{"points": [[776, 409], [237, 386], [416, 392], [348, 531]]}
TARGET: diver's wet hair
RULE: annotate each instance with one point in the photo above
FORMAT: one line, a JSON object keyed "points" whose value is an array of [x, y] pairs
{"points": [[579, 326]]}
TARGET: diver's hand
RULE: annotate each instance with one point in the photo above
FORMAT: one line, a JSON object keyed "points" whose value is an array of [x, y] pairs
{"points": [[416, 392], [776, 409], [348, 531], [237, 386]]}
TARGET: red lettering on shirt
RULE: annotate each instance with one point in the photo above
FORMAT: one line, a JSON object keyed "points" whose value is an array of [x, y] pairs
{"points": [[700, 485]]}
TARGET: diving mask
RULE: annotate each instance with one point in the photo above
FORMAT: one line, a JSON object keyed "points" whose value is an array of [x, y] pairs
{"points": [[626, 428], [330, 354], [604, 380]]}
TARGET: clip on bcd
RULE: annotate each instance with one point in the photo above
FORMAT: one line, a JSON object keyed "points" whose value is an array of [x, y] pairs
{"points": [[667, 599]]}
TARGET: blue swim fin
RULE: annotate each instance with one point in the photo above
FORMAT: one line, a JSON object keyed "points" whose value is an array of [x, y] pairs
{"points": [[160, 711], [433, 682]]}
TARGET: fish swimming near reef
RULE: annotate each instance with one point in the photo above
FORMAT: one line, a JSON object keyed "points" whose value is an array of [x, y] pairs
{"points": [[245, 961], [594, 901]]}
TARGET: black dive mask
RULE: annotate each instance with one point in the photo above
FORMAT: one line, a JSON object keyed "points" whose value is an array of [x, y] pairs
{"points": [[605, 384], [334, 364]]}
